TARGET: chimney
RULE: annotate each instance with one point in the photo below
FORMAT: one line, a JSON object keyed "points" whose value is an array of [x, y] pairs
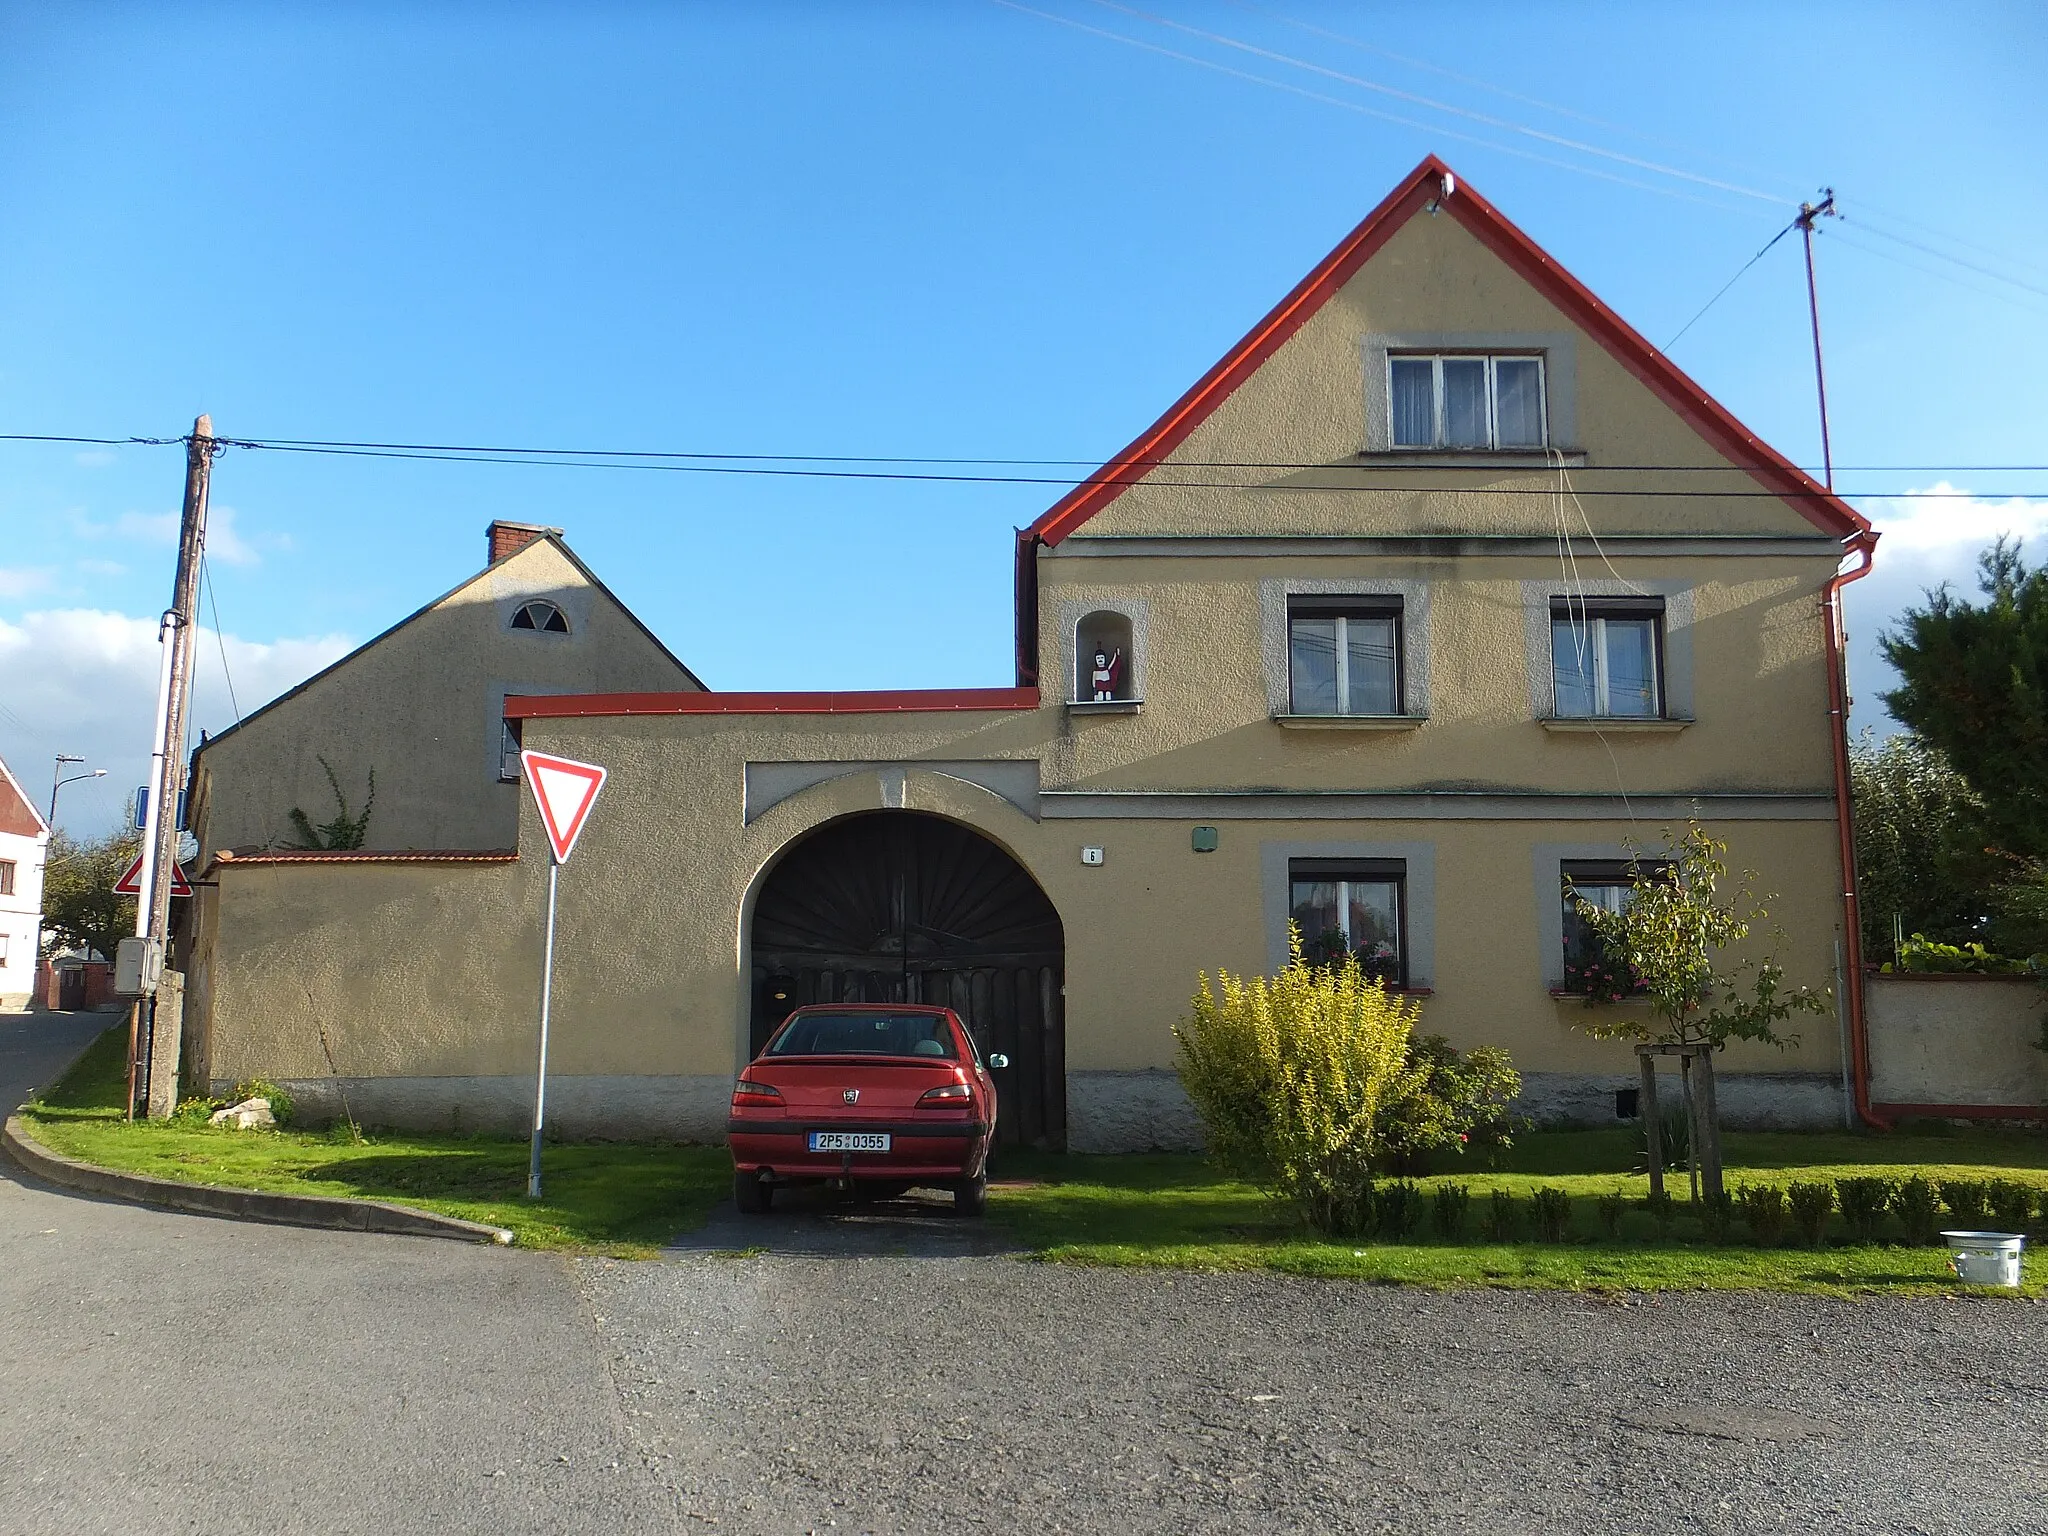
{"points": [[510, 538]]}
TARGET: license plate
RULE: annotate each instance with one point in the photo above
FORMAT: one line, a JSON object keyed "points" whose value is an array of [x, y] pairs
{"points": [[849, 1141]]}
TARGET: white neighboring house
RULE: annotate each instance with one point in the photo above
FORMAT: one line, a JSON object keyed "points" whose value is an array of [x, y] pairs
{"points": [[24, 845]]}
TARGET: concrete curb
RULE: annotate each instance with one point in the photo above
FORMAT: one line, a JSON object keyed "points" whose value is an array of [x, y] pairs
{"points": [[237, 1204]]}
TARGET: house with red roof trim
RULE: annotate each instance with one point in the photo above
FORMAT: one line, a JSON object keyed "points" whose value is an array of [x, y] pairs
{"points": [[1441, 589]]}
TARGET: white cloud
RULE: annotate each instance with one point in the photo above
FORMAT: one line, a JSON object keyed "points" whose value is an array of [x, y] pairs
{"points": [[20, 580], [224, 541], [83, 680], [1929, 538], [1942, 517], [94, 458], [103, 568]]}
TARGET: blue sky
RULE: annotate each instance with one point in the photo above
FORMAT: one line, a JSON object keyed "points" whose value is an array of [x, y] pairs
{"points": [[945, 229]]}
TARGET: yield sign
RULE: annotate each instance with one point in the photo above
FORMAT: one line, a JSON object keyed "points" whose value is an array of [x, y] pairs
{"points": [[130, 884], [565, 790]]}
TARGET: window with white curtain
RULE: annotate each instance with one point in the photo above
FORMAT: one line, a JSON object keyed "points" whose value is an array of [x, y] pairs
{"points": [[1607, 659], [1344, 656], [1467, 401], [1352, 907]]}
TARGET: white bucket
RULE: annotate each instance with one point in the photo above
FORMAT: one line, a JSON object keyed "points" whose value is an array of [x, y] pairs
{"points": [[1985, 1258]]}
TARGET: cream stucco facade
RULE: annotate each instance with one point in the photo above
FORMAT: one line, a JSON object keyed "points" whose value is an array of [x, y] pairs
{"points": [[422, 707], [1201, 795]]}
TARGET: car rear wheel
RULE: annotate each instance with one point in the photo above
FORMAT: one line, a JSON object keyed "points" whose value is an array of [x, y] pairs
{"points": [[970, 1196], [751, 1195]]}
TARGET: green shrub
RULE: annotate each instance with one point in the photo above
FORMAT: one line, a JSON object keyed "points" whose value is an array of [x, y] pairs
{"points": [[1503, 1218], [1663, 1211], [1763, 1207], [1918, 1206], [194, 1111], [1303, 1080], [1451, 1205], [1811, 1204], [2012, 1203], [260, 1088], [1460, 1105], [1397, 1210], [1968, 1201], [1717, 1216], [1863, 1202], [1925, 955], [1553, 1214], [1610, 1208]]}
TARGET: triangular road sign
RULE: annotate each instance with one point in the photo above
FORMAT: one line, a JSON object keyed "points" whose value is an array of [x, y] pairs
{"points": [[130, 884], [565, 790]]}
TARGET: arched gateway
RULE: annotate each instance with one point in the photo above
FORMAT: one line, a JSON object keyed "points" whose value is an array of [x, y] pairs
{"points": [[897, 906]]}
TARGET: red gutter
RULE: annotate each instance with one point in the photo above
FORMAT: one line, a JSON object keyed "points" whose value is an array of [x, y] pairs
{"points": [[569, 706], [1852, 912]]}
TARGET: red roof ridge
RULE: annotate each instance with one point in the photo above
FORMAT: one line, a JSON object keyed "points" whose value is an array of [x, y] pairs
{"points": [[1434, 180], [559, 706], [369, 856]]}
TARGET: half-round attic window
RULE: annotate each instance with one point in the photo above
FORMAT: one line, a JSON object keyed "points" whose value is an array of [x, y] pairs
{"points": [[542, 615]]}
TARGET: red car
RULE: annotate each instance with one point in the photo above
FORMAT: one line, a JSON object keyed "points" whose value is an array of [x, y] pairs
{"points": [[875, 1097]]}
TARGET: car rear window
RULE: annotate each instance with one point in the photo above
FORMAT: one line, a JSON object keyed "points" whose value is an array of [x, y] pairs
{"points": [[865, 1034]]}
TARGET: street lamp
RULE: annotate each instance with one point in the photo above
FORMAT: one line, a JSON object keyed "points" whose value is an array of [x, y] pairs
{"points": [[58, 781]]}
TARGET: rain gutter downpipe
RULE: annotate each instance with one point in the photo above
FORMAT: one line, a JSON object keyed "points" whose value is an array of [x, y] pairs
{"points": [[1862, 543]]}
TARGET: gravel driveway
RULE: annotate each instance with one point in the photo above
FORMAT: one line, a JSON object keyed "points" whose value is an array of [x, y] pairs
{"points": [[174, 1373]]}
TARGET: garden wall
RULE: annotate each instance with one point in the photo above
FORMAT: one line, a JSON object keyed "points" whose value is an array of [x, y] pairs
{"points": [[1956, 1040]]}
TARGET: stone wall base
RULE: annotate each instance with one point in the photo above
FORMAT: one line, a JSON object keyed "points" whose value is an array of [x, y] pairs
{"points": [[1144, 1111], [1130, 1112], [1748, 1101], [677, 1108]]}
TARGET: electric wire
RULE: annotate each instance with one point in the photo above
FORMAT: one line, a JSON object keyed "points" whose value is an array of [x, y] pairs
{"points": [[220, 639], [1110, 473], [2015, 300], [1080, 481], [1488, 86], [1506, 124], [1759, 256], [1883, 234], [1359, 107]]}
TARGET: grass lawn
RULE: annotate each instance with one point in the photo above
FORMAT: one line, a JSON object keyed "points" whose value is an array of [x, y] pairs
{"points": [[627, 1200], [621, 1199], [1176, 1212]]}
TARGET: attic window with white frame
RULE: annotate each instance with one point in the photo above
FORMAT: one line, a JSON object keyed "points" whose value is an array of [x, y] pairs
{"points": [[1466, 401], [542, 615]]}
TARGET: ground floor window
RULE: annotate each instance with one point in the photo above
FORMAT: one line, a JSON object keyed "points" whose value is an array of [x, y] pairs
{"points": [[1352, 908], [1606, 884]]}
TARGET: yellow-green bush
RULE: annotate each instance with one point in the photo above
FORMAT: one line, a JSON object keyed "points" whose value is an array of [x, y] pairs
{"points": [[1299, 1078]]}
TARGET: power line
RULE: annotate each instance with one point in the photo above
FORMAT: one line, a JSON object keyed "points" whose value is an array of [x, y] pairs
{"points": [[1759, 256], [1442, 106], [1353, 106], [1916, 245], [1072, 481], [1936, 272], [1488, 86], [432, 450], [219, 638]]}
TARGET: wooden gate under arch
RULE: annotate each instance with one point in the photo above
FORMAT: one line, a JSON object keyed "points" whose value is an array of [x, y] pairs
{"points": [[899, 906]]}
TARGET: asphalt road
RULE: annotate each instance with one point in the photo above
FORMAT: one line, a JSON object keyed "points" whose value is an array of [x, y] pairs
{"points": [[176, 1373]]}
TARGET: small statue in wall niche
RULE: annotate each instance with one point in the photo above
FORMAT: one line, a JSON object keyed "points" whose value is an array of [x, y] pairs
{"points": [[1105, 674]]}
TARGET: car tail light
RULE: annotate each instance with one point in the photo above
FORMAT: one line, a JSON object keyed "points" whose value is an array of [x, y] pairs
{"points": [[946, 1092], [746, 1091]]}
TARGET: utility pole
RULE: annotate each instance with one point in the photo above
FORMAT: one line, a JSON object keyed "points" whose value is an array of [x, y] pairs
{"points": [[1808, 212], [156, 1026]]}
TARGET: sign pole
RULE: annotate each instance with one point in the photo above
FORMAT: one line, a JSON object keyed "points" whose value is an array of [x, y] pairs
{"points": [[547, 987], [564, 790]]}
